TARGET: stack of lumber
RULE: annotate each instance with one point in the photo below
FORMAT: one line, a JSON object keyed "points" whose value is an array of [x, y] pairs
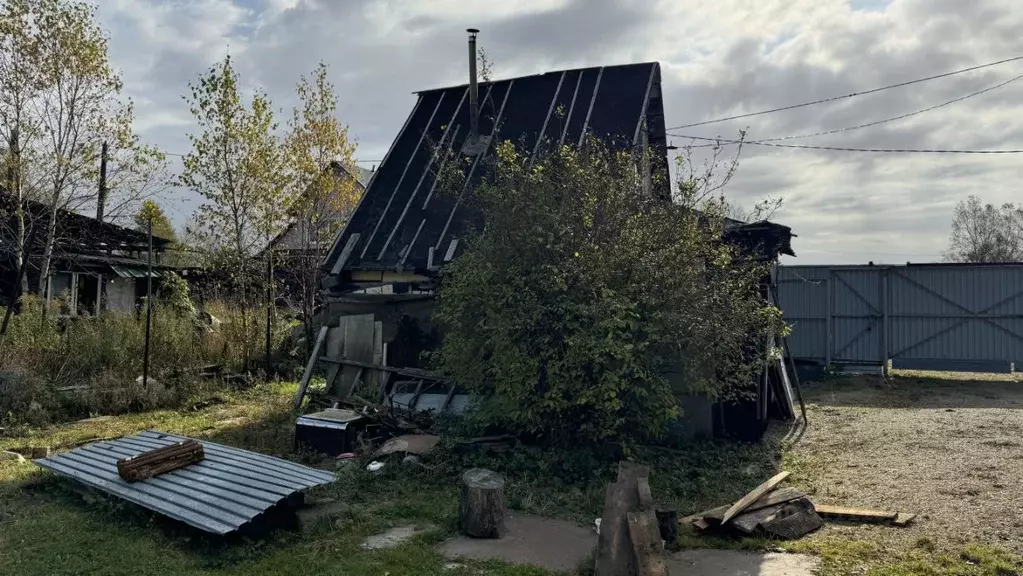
{"points": [[782, 513], [160, 460]]}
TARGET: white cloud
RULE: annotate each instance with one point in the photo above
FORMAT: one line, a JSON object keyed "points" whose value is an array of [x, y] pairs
{"points": [[738, 57]]}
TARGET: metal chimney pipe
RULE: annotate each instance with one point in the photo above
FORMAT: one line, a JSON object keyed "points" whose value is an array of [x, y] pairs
{"points": [[474, 110]]}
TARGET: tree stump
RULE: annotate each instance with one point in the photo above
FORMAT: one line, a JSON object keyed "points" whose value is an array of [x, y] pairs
{"points": [[481, 504]]}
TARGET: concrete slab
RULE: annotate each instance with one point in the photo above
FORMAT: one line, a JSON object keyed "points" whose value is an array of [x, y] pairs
{"points": [[737, 563], [551, 544], [394, 537]]}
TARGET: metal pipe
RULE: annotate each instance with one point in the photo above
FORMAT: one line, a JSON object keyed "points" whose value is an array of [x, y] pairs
{"points": [[149, 307], [474, 111]]}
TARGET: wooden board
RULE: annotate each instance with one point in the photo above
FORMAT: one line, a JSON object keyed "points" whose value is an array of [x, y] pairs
{"points": [[333, 347], [753, 496], [358, 344], [858, 514], [778, 496], [646, 543], [309, 368], [614, 554]]}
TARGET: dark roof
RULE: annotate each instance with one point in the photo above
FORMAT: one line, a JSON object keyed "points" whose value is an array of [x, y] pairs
{"points": [[402, 225], [764, 239], [76, 232]]}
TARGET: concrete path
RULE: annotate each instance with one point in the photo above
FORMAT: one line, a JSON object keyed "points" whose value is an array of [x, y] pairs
{"points": [[552, 544], [563, 546], [737, 563]]}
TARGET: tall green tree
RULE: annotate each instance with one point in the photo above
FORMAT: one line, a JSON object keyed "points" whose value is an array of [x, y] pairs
{"points": [[322, 184], [582, 293], [234, 165], [162, 226]]}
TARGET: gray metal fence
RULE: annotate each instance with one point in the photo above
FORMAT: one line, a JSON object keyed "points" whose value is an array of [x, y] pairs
{"points": [[925, 317]]}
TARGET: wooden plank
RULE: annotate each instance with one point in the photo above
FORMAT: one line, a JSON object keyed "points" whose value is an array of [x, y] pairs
{"points": [[358, 345], [778, 496], [701, 524], [614, 555], [646, 543], [750, 520], [309, 368], [394, 370], [903, 519], [859, 514], [346, 253], [646, 499], [753, 496], [333, 347]]}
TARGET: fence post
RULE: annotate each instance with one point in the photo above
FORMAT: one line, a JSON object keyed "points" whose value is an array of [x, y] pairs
{"points": [[829, 286], [885, 288]]}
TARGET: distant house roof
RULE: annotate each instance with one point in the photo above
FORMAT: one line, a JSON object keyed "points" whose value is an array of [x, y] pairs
{"points": [[77, 232], [400, 222], [290, 238]]}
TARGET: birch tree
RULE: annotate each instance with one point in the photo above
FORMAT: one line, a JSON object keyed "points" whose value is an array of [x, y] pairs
{"points": [[233, 166], [80, 91], [19, 86], [323, 185]]}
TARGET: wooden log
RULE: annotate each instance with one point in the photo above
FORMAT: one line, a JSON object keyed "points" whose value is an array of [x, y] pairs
{"points": [[753, 496], [615, 555], [646, 543], [159, 461], [632, 470], [481, 504]]}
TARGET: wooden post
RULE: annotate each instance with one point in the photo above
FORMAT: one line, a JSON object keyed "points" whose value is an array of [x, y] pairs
{"points": [[149, 306], [481, 504], [309, 368]]}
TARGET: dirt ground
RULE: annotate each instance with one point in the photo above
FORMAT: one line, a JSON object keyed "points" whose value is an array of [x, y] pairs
{"points": [[949, 448]]}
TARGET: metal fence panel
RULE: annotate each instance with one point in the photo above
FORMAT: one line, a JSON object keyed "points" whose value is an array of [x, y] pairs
{"points": [[936, 316]]}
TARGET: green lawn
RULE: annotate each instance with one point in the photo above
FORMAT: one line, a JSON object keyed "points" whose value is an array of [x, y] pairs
{"points": [[46, 528]]}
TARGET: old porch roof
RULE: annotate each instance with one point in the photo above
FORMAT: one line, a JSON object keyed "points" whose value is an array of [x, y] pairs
{"points": [[401, 222]]}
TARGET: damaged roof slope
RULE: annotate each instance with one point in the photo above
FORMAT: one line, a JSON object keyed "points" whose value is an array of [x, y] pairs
{"points": [[403, 225]]}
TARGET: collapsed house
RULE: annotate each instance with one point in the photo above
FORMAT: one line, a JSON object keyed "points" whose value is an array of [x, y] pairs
{"points": [[95, 265], [380, 275]]}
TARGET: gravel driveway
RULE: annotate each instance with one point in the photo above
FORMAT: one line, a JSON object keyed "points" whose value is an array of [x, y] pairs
{"points": [[948, 449]]}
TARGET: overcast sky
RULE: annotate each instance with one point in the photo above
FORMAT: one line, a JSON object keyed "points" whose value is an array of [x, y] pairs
{"points": [[718, 58]]}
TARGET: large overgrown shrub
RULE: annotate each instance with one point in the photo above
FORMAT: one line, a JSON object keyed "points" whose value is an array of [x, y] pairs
{"points": [[582, 292]]}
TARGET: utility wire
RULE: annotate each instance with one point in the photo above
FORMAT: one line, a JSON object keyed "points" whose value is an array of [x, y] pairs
{"points": [[894, 118], [851, 95], [842, 149]]}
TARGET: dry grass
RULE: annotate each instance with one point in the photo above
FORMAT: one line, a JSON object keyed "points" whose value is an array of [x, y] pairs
{"points": [[948, 449]]}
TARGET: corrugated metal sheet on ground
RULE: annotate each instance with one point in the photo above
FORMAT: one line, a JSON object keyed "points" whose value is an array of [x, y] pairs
{"points": [[220, 494]]}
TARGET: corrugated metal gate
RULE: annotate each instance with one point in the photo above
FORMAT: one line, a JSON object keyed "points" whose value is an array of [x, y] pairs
{"points": [[927, 317]]}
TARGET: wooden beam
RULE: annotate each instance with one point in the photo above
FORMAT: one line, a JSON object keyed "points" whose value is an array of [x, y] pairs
{"points": [[857, 514], [391, 369], [753, 496], [386, 277], [346, 253], [309, 367]]}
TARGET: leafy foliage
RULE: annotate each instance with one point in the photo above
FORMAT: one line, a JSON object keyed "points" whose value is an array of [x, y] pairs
{"points": [[162, 226], [585, 306], [986, 233]]}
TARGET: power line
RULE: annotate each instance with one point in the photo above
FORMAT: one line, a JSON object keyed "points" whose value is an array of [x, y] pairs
{"points": [[894, 118], [842, 149], [356, 160], [851, 95]]}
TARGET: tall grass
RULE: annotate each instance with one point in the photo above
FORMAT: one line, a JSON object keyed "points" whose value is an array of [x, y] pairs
{"points": [[55, 368]]}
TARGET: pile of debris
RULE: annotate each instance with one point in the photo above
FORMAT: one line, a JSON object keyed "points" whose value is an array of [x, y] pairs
{"points": [[782, 513]]}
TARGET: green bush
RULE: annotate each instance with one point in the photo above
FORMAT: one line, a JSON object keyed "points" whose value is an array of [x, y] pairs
{"points": [[569, 309]]}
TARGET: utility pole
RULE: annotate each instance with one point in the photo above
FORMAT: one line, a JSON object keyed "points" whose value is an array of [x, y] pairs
{"points": [[149, 308]]}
